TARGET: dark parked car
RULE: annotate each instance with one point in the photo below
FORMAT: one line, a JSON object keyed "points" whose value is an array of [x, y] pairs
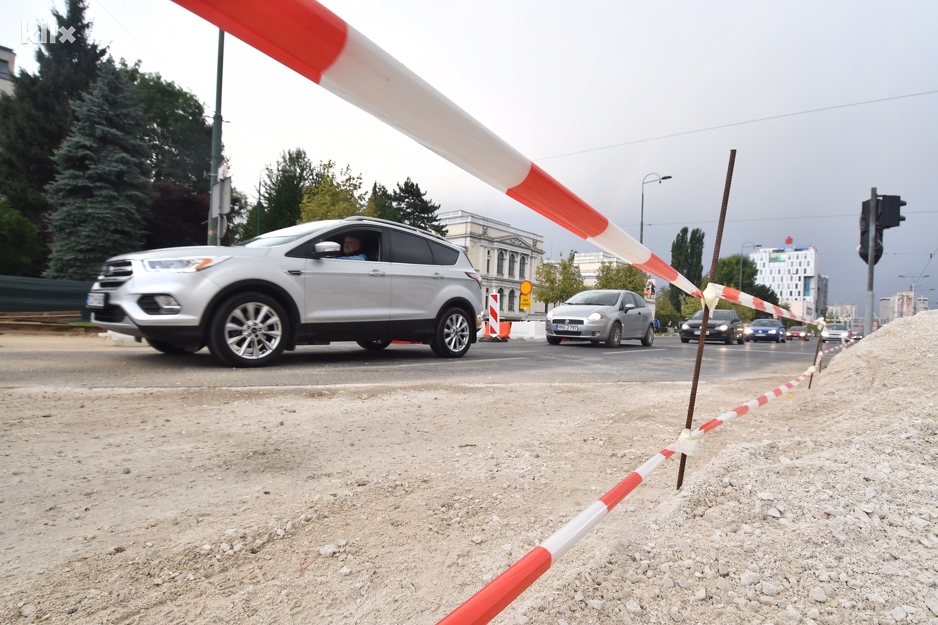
{"points": [[723, 325], [766, 330]]}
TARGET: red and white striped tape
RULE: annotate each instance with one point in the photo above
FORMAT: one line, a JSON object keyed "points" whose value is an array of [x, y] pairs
{"points": [[718, 291], [495, 597], [313, 41]]}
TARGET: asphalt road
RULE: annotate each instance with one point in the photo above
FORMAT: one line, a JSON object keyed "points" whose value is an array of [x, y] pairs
{"points": [[89, 362]]}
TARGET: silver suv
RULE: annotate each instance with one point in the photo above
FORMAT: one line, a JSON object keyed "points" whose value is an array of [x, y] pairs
{"points": [[289, 287]]}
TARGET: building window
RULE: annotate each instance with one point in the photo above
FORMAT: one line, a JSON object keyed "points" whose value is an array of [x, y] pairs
{"points": [[523, 268], [500, 269], [501, 296], [488, 261], [511, 265], [511, 300]]}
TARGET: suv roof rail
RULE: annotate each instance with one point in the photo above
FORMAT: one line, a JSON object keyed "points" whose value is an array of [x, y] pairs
{"points": [[394, 223]]}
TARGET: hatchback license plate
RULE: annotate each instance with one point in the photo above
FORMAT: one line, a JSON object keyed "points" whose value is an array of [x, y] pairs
{"points": [[566, 328], [96, 300]]}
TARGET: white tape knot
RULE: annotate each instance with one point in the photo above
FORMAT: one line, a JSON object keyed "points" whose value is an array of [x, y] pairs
{"points": [[812, 370], [685, 444]]}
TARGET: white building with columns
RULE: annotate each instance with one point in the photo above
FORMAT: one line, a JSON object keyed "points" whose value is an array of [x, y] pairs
{"points": [[503, 255]]}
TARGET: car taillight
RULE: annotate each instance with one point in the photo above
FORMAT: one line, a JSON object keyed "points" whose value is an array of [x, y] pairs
{"points": [[475, 277]]}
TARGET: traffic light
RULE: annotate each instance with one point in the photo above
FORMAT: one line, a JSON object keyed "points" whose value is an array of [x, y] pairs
{"points": [[864, 249], [887, 213]]}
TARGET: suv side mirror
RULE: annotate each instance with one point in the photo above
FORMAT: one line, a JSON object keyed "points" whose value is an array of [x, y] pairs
{"points": [[326, 249]]}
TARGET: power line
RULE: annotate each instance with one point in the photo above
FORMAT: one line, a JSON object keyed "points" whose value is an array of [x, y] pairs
{"points": [[743, 123]]}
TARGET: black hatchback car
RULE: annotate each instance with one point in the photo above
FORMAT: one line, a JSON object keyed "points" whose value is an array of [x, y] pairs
{"points": [[723, 325]]}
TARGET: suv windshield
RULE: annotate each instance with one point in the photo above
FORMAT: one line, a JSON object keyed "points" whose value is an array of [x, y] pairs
{"points": [[287, 235]]}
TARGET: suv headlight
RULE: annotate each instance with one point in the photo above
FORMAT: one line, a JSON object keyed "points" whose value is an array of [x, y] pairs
{"points": [[182, 265]]}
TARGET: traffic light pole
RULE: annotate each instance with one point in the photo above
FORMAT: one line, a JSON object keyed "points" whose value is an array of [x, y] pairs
{"points": [[871, 220]]}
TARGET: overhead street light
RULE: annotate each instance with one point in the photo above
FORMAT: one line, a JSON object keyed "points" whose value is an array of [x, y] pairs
{"points": [[754, 246], [641, 223]]}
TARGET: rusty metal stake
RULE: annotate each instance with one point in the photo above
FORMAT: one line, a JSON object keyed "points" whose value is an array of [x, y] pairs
{"points": [[706, 312], [817, 351]]}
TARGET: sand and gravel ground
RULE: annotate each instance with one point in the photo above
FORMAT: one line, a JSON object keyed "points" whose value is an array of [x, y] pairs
{"points": [[394, 504]]}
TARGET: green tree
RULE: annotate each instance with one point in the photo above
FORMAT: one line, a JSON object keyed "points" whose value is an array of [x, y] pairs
{"points": [[664, 311], [38, 117], [176, 216], [414, 209], [728, 270], [620, 276], [558, 282], [334, 196], [102, 181], [687, 258], [177, 132], [381, 204], [282, 191], [19, 243]]}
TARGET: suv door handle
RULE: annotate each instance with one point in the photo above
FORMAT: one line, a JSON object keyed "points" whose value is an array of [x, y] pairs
{"points": [[437, 276], [377, 273]]}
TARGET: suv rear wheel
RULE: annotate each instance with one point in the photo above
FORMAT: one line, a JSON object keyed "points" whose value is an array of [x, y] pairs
{"points": [[452, 338], [248, 330]]}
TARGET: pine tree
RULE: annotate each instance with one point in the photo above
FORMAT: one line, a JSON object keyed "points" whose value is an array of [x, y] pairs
{"points": [[102, 180], [414, 209]]}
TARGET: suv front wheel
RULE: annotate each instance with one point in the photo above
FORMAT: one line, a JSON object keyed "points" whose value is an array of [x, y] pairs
{"points": [[452, 336], [248, 330]]}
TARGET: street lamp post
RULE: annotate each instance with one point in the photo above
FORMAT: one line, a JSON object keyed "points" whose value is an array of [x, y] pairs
{"points": [[754, 246], [641, 223]]}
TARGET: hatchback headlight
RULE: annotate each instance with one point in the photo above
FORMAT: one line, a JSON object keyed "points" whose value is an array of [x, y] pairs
{"points": [[747, 331], [596, 316], [684, 326], [723, 328], [182, 265]]}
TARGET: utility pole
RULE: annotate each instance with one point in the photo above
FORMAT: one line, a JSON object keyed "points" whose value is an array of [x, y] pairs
{"points": [[213, 216], [871, 220]]}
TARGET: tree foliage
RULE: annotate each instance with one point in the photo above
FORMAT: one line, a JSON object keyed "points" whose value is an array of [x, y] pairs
{"points": [[177, 132], [380, 204], [19, 243], [37, 118], [620, 276], [558, 282], [102, 180], [687, 258], [176, 216], [282, 191], [335, 195], [413, 208]]}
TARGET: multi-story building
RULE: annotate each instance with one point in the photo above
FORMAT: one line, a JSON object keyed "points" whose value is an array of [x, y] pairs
{"points": [[791, 271], [590, 262], [7, 69], [904, 304], [843, 312], [503, 255]]}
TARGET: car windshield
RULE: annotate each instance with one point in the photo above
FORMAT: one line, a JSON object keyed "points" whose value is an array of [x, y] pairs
{"points": [[594, 298], [765, 323], [836, 326], [288, 235], [798, 329], [722, 315]]}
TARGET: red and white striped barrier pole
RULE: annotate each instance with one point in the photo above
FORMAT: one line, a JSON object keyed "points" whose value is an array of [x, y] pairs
{"points": [[486, 604], [493, 325], [718, 291], [308, 38]]}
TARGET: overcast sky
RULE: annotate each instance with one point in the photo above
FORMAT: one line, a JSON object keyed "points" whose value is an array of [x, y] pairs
{"points": [[821, 101]]}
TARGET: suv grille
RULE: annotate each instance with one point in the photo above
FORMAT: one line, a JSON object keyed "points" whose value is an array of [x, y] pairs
{"points": [[114, 274], [110, 314]]}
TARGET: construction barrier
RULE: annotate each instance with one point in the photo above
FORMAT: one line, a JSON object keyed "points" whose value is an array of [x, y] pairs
{"points": [[497, 595]]}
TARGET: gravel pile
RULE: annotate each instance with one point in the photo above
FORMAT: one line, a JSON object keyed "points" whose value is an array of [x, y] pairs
{"points": [[838, 527]]}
